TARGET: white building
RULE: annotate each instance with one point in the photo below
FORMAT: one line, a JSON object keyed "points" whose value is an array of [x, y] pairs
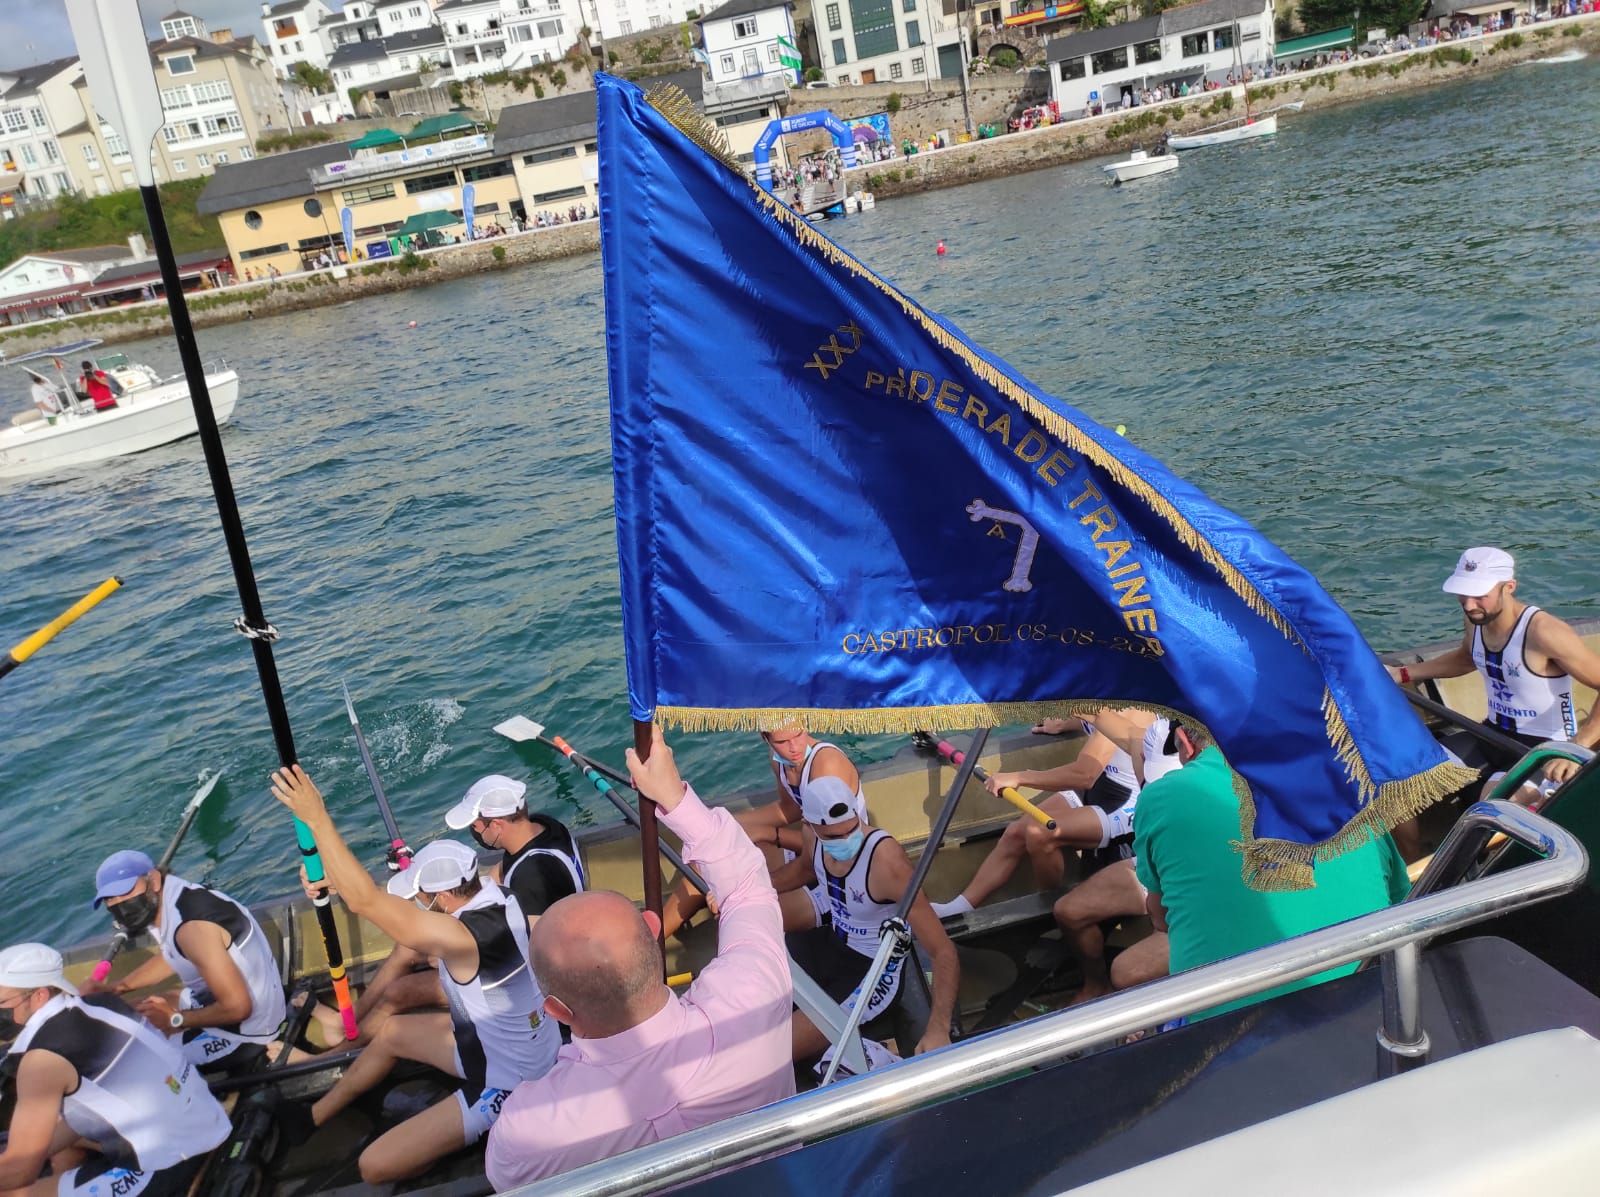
{"points": [[401, 16], [750, 39], [491, 35], [619, 18], [388, 64], [31, 162], [356, 22], [875, 41], [294, 34], [1182, 45]]}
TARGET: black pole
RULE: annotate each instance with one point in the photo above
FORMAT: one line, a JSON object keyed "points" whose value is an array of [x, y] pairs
{"points": [[942, 824], [253, 623]]}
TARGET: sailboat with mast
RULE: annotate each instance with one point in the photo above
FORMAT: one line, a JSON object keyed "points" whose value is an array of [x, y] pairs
{"points": [[1242, 128]]}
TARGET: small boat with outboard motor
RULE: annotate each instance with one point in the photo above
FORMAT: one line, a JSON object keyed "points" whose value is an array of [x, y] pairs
{"points": [[1141, 165], [63, 428]]}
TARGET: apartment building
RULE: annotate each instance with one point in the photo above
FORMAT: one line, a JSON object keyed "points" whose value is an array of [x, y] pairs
{"points": [[620, 18], [751, 39], [295, 34], [494, 35], [876, 41], [31, 161]]}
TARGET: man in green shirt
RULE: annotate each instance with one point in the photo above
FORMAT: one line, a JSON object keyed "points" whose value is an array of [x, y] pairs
{"points": [[1183, 843]]}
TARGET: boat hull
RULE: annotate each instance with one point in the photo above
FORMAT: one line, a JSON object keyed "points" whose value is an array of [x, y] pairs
{"points": [[1266, 126], [1144, 168], [143, 419]]}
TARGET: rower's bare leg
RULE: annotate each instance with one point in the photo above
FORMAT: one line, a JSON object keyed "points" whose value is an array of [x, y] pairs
{"points": [[809, 1042], [412, 1147], [761, 824], [399, 994], [1112, 892], [1025, 837], [1144, 961], [425, 1038]]}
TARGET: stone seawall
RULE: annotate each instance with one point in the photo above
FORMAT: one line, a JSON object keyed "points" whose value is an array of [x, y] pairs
{"points": [[966, 163]]}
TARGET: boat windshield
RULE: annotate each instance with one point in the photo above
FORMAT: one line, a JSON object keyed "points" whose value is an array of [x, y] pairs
{"points": [[113, 361]]}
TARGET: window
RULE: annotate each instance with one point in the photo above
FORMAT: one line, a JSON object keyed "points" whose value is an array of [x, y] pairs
{"points": [[414, 12], [745, 28], [28, 156], [36, 115], [252, 219], [63, 184], [115, 146], [913, 34], [772, 52], [127, 178], [1147, 52], [752, 62], [1222, 39], [538, 156], [833, 17], [438, 181], [727, 64], [591, 147], [839, 56], [264, 251], [1109, 60], [896, 71], [908, 5], [52, 152], [918, 66], [366, 195], [16, 120], [1195, 44], [175, 97], [625, 27], [297, 47], [222, 159], [743, 115], [520, 33], [1072, 68], [873, 23], [549, 28], [489, 170], [656, 20], [550, 197], [91, 155], [312, 207], [180, 64], [202, 160], [246, 153]]}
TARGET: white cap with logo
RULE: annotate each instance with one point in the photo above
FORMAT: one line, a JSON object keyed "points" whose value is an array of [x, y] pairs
{"points": [[1479, 571], [33, 966], [825, 801], [489, 797], [442, 865]]}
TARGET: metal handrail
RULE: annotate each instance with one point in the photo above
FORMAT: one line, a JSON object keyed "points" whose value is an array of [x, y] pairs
{"points": [[962, 1067]]}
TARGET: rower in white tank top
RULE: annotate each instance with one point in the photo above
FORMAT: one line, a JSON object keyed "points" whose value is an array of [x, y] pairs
{"points": [[1526, 704], [805, 776]]}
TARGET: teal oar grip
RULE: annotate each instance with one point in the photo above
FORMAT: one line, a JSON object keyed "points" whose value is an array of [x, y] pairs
{"points": [[308, 850]]}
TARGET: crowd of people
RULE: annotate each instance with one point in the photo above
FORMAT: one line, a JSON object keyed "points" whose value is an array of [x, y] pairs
{"points": [[544, 1000]]}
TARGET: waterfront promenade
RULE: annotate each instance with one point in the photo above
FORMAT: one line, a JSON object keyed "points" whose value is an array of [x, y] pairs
{"points": [[967, 162]]}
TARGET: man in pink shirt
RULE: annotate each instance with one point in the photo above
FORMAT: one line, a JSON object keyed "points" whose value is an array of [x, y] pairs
{"points": [[645, 1064]]}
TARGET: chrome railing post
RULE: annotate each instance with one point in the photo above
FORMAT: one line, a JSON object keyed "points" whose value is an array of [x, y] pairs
{"points": [[1404, 1042]]}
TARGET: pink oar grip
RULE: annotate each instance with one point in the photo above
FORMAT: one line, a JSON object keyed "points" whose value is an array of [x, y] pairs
{"points": [[400, 853], [350, 1031], [101, 971], [948, 749]]}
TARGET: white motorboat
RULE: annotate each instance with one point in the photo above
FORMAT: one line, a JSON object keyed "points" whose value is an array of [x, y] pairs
{"points": [[1241, 130], [1140, 165], [150, 411]]}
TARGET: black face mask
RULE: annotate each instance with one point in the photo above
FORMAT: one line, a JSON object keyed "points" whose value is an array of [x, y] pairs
{"points": [[477, 837], [136, 914]]}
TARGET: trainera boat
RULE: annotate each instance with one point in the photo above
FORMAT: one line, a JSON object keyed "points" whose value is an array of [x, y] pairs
{"points": [[1243, 129], [1042, 1097], [1140, 165], [150, 411]]}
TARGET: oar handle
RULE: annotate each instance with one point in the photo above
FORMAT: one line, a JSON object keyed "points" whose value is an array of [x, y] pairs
{"points": [[103, 969], [955, 756], [32, 644]]}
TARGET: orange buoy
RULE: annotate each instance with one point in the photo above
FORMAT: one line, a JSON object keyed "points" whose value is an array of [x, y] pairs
{"points": [[940, 249]]}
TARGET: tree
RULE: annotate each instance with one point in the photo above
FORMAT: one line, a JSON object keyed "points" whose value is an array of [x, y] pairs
{"points": [[314, 78], [1319, 15], [1097, 14]]}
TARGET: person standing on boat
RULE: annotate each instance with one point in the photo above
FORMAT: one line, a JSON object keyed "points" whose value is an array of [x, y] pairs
{"points": [[97, 386], [108, 1102], [645, 1063], [492, 1038], [1528, 659], [795, 756], [43, 395], [863, 874], [1099, 822], [231, 1004]]}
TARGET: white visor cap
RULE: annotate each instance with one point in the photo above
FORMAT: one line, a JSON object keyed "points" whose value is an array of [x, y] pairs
{"points": [[490, 797], [1479, 571], [825, 801], [33, 966], [442, 865]]}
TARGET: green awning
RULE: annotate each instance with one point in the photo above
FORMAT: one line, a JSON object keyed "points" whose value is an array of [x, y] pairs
{"points": [[421, 222], [1329, 39], [438, 126], [374, 138]]}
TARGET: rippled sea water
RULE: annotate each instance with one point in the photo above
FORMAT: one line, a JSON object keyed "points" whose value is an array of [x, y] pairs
{"points": [[1375, 336]]}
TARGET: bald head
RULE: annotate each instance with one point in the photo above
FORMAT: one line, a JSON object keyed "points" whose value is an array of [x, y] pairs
{"points": [[594, 954]]}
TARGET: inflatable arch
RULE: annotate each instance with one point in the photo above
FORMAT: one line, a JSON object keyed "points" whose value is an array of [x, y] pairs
{"points": [[799, 124]]}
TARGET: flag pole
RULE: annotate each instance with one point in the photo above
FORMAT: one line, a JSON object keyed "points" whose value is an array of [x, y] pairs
{"points": [[122, 86], [649, 832]]}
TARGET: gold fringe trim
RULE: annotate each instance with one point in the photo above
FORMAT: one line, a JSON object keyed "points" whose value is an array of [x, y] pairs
{"points": [[895, 720], [674, 104]]}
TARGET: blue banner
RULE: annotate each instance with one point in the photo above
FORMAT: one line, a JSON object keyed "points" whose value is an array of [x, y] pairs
{"points": [[833, 506], [469, 196], [347, 225]]}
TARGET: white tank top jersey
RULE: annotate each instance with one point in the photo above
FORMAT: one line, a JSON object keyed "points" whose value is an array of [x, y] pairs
{"points": [[1157, 761], [502, 1037], [805, 776], [1119, 768], [857, 918], [1520, 700], [143, 1103], [182, 901]]}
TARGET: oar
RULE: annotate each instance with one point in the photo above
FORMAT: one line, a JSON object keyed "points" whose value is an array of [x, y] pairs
{"points": [[399, 854], [520, 730], [928, 742], [120, 939], [44, 635]]}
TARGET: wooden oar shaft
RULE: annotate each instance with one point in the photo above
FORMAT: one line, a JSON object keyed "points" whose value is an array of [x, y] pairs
{"points": [[649, 834], [957, 757], [32, 644]]}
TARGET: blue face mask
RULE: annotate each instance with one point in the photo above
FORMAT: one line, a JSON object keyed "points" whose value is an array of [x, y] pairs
{"points": [[845, 847]]}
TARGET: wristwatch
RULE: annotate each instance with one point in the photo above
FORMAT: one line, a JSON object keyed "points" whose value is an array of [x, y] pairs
{"points": [[176, 1021]]}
